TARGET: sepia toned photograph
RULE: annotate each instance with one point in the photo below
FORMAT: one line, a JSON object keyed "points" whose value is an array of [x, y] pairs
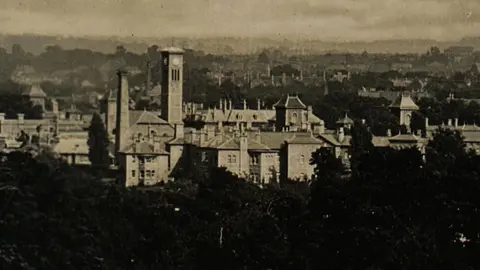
{"points": [[220, 134]]}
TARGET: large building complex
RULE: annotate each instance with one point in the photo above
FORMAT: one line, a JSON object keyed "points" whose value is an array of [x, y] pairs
{"points": [[260, 144]]}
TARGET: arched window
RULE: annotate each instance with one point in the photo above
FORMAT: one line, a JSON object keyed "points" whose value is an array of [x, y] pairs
{"points": [[302, 159], [153, 132], [229, 159], [234, 159], [294, 117]]}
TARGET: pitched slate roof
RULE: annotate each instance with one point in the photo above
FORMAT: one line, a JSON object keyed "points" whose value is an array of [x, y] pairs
{"points": [[147, 117], [290, 102], [304, 138], [404, 138], [345, 121], [34, 91], [144, 148], [404, 102]]}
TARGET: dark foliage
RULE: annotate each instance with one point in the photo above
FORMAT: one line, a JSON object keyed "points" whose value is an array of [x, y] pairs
{"points": [[98, 143]]}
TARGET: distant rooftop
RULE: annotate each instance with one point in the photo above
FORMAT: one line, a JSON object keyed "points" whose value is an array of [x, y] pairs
{"points": [[173, 50]]}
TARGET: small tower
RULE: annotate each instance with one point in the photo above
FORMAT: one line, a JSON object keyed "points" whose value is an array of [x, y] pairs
{"points": [[36, 95], [289, 111], [404, 107]]}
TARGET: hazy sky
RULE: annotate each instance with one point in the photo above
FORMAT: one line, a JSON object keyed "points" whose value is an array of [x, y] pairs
{"points": [[318, 19]]}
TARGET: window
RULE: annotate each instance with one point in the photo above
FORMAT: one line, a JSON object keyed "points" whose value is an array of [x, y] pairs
{"points": [[229, 159], [142, 174], [153, 173], [254, 160], [294, 117], [148, 174], [134, 159], [133, 173], [148, 159], [302, 159], [175, 74], [234, 159]]}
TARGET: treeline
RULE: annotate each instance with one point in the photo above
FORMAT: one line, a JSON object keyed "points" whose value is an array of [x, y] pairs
{"points": [[393, 211]]}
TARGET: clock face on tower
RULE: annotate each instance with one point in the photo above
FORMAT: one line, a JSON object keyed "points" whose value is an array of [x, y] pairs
{"points": [[176, 61]]}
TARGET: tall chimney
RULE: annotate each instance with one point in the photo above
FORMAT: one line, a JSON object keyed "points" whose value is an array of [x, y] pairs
{"points": [[230, 104], [225, 105], [221, 104], [449, 123], [259, 104], [122, 111], [456, 122], [426, 122]]}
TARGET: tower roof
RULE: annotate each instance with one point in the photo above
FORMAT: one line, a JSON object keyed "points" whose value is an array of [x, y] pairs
{"points": [[34, 91], [290, 102], [172, 50], [345, 120], [404, 102]]}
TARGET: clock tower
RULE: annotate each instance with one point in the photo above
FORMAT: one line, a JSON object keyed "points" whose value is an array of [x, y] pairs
{"points": [[172, 85]]}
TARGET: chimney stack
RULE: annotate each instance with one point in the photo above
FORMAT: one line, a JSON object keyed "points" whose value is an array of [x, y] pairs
{"points": [[202, 136], [389, 133], [122, 111], [225, 105], [244, 104], [456, 122], [341, 134], [449, 123], [221, 104], [179, 132], [230, 104], [259, 104]]}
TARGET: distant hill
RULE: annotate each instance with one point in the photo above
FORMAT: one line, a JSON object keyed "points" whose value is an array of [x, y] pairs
{"points": [[228, 45]]}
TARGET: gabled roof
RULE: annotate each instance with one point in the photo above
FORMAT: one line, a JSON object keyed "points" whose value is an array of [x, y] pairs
{"points": [[144, 148], [404, 102], [290, 102], [149, 118], [34, 91]]}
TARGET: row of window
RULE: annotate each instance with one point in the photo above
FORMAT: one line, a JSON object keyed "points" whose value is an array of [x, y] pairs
{"points": [[143, 160], [147, 173], [231, 158], [175, 74]]}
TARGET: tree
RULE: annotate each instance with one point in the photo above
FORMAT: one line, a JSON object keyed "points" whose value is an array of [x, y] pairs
{"points": [[360, 145], [98, 143]]}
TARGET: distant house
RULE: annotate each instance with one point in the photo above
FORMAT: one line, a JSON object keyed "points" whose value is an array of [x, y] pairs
{"points": [[459, 51], [401, 67]]}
